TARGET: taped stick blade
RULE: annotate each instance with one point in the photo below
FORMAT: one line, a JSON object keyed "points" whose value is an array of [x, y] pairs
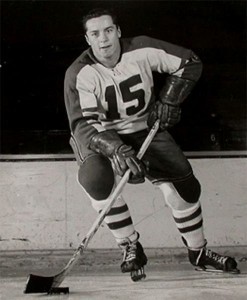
{"points": [[38, 284]]}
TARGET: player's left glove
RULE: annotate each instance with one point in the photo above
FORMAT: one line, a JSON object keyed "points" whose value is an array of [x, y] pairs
{"points": [[167, 109], [169, 115]]}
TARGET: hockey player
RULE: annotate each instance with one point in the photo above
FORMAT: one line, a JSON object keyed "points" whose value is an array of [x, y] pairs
{"points": [[111, 105]]}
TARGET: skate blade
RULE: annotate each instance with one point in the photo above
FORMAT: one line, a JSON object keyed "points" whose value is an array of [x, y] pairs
{"points": [[138, 275], [209, 270]]}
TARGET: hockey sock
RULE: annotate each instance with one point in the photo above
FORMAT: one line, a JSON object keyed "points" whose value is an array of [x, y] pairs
{"points": [[190, 224], [188, 216], [118, 219]]}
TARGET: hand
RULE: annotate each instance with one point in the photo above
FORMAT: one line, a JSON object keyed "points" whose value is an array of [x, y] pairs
{"points": [[124, 158], [168, 114]]}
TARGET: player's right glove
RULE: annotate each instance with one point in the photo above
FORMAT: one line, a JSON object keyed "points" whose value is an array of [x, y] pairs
{"points": [[167, 108], [122, 156]]}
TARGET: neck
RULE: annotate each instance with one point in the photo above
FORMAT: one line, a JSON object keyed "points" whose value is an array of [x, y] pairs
{"points": [[110, 62]]}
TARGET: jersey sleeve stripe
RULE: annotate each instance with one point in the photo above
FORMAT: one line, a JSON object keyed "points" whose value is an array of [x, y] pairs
{"points": [[89, 109]]}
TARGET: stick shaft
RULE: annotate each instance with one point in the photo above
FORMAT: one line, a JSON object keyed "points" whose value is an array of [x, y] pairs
{"points": [[99, 220]]}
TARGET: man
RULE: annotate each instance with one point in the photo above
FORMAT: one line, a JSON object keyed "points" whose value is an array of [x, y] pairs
{"points": [[111, 105]]}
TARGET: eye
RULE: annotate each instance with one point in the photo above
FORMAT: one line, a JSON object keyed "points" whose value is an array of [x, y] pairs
{"points": [[109, 30], [93, 34]]}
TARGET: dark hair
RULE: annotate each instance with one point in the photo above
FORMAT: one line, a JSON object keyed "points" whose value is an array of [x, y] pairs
{"points": [[98, 12]]}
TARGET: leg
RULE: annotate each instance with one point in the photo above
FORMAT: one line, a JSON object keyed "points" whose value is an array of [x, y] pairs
{"points": [[96, 177], [98, 185], [170, 169], [183, 199]]}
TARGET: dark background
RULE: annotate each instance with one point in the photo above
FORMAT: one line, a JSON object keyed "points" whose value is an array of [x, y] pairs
{"points": [[40, 39]]}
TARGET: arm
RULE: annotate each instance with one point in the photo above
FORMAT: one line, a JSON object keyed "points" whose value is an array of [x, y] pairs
{"points": [[167, 108], [183, 67], [83, 121]]}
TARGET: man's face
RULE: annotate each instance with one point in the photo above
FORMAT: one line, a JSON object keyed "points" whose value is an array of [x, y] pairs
{"points": [[103, 36]]}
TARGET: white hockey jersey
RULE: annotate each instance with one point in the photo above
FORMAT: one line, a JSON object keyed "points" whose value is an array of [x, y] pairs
{"points": [[99, 98]]}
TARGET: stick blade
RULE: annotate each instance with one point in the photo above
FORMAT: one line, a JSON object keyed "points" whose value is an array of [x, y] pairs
{"points": [[38, 284]]}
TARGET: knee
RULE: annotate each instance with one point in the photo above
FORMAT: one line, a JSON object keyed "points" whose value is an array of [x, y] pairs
{"points": [[96, 176], [189, 189]]}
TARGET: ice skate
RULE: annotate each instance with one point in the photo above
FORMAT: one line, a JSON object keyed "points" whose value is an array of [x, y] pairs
{"points": [[209, 261], [134, 259]]}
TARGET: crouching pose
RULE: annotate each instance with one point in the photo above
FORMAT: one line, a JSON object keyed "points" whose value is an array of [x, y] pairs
{"points": [[111, 106]]}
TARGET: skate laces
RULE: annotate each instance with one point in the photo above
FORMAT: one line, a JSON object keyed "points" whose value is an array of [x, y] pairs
{"points": [[129, 251], [215, 256]]}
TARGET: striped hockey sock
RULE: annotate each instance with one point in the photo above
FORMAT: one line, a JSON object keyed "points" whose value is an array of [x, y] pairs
{"points": [[190, 224], [120, 222], [118, 219]]}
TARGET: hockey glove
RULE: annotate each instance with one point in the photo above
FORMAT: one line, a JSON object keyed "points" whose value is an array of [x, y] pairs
{"points": [[168, 115], [167, 109], [123, 157]]}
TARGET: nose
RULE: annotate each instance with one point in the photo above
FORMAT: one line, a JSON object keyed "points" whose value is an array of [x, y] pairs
{"points": [[103, 37]]}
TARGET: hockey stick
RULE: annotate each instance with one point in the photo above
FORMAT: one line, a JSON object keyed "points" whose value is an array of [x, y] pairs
{"points": [[43, 284]]}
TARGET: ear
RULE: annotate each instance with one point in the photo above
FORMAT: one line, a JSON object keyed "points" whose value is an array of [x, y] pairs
{"points": [[119, 32], [86, 37]]}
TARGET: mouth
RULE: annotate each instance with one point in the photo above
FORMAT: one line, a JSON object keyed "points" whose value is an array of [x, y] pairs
{"points": [[105, 47]]}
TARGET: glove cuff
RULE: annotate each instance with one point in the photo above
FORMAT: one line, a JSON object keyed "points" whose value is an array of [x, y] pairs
{"points": [[175, 90], [106, 142]]}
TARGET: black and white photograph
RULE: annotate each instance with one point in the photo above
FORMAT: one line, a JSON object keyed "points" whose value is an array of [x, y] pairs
{"points": [[123, 150]]}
